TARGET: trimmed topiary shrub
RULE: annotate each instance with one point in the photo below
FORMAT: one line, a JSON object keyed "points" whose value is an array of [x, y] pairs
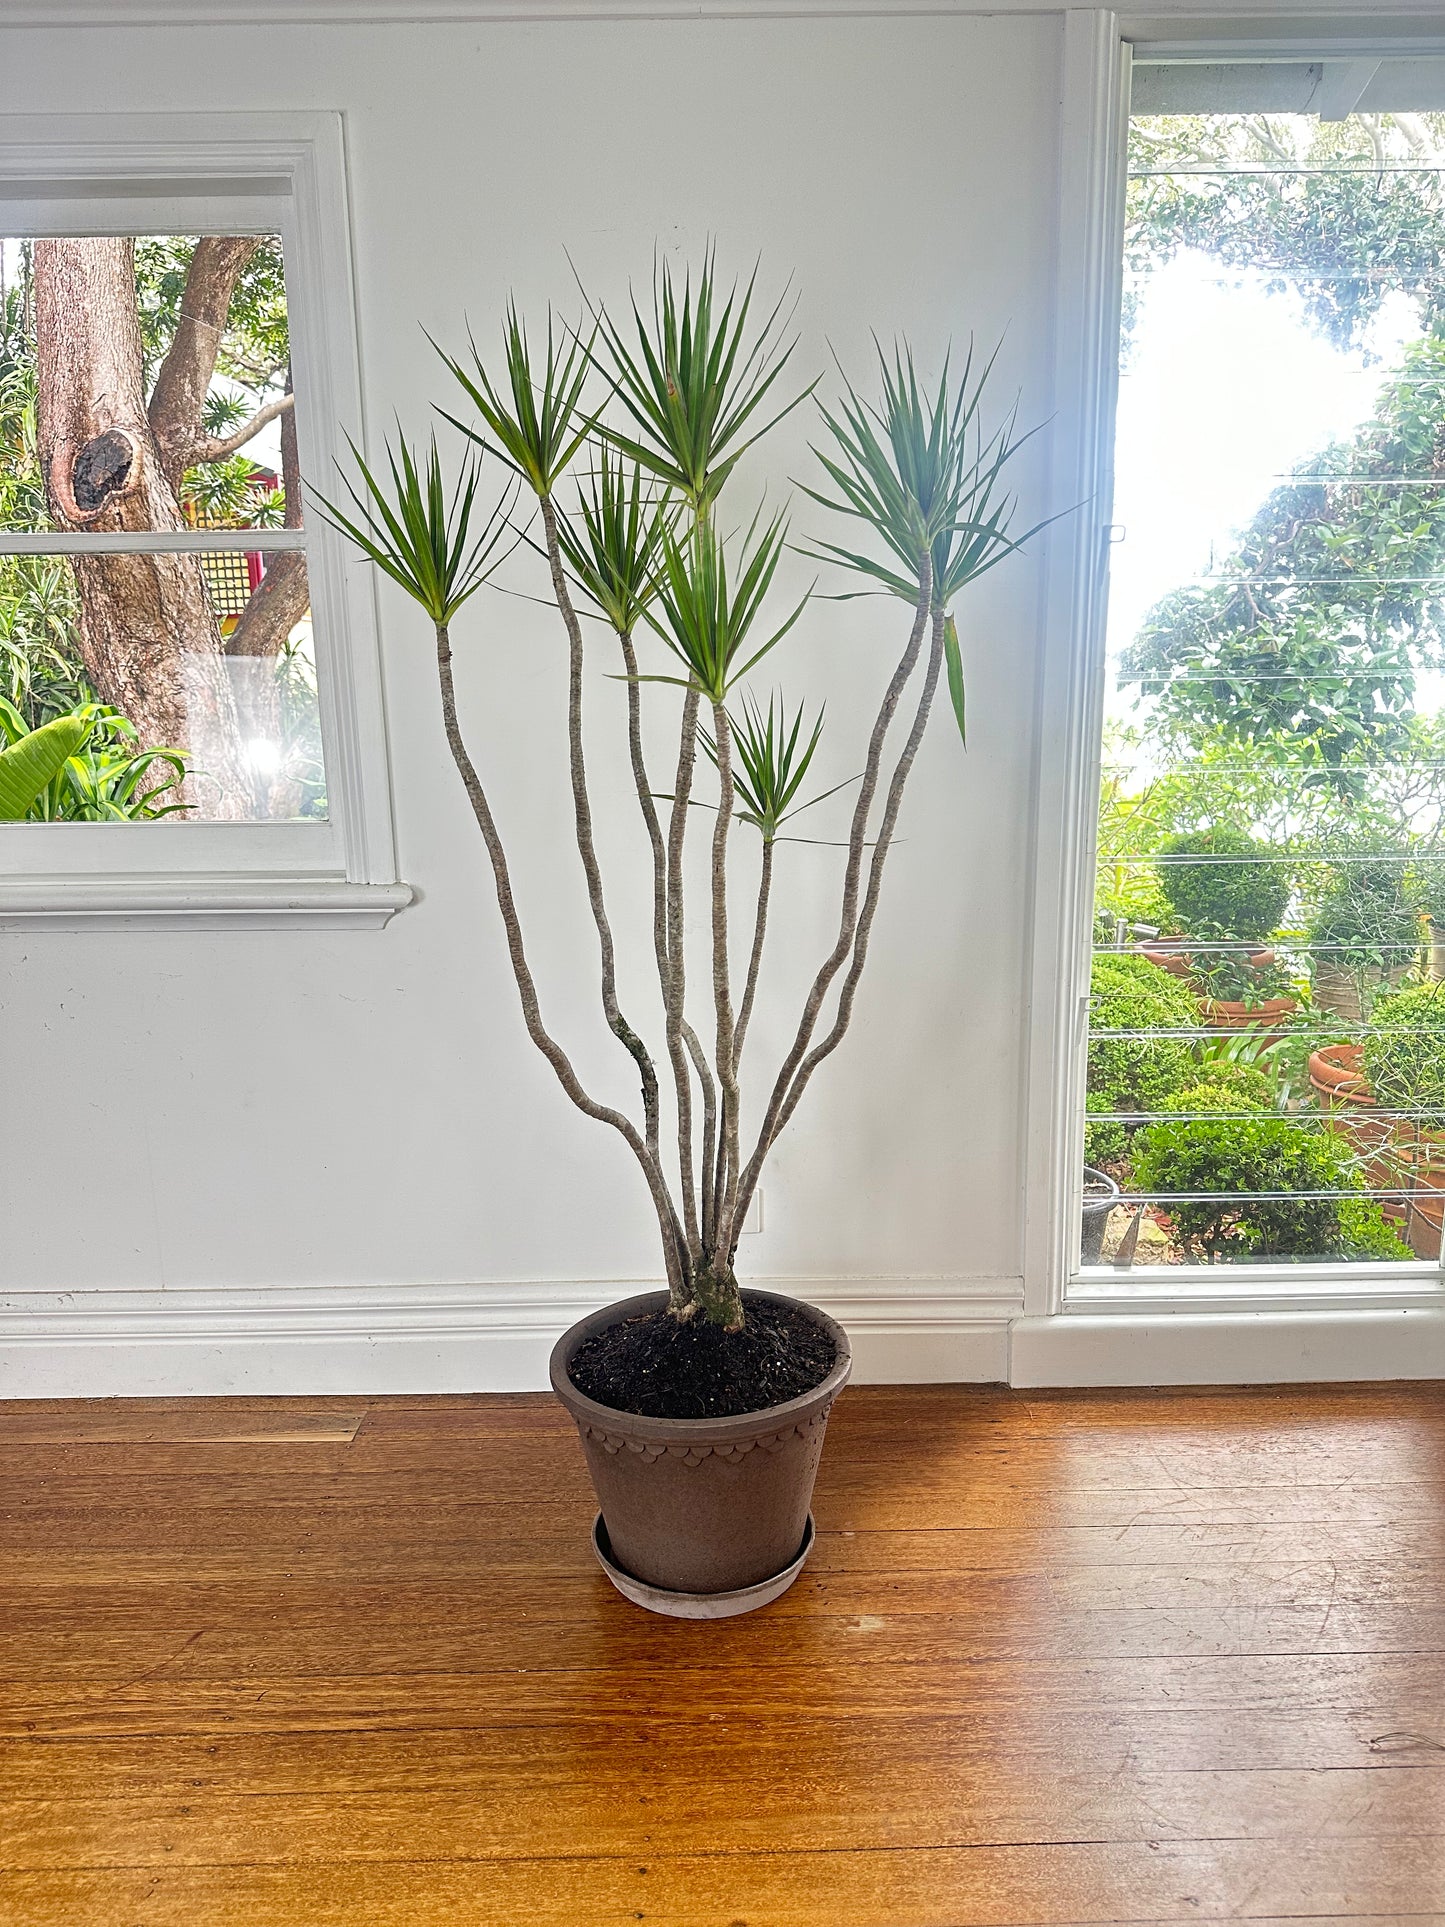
{"points": [[1243, 1091], [1239, 899], [1241, 1157], [1128, 1073]]}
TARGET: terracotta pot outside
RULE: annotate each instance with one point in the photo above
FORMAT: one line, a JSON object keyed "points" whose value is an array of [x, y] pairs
{"points": [[1177, 962], [1422, 1161], [1337, 1075], [1228, 1014], [708, 1505], [1401, 1155]]}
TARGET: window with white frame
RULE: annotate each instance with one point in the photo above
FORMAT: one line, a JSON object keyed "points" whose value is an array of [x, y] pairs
{"points": [[177, 357], [1265, 1081]]}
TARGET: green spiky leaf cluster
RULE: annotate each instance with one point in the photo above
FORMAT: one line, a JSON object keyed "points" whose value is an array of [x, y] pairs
{"points": [[693, 385], [614, 554], [418, 536], [708, 611], [536, 422], [920, 472], [773, 755]]}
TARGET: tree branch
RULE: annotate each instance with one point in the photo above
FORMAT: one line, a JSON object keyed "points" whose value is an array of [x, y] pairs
{"points": [[178, 398], [280, 601], [216, 448], [674, 1252]]}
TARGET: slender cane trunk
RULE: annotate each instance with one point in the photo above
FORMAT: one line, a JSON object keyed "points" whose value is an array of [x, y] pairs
{"points": [[866, 915], [857, 843], [755, 964], [716, 1285], [148, 635], [677, 985], [673, 1246], [660, 938], [586, 846]]}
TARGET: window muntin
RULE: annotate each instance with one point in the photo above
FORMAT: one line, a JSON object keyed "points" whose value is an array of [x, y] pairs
{"points": [[1275, 673], [148, 415]]}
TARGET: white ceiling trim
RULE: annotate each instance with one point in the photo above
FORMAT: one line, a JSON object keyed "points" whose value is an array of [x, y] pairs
{"points": [[1346, 25]]}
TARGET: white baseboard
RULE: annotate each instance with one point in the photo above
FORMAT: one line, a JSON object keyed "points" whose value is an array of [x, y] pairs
{"points": [[437, 1338], [1272, 1347], [292, 1340]]}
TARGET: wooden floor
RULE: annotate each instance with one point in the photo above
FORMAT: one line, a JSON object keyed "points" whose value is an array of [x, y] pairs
{"points": [[1056, 1658]]}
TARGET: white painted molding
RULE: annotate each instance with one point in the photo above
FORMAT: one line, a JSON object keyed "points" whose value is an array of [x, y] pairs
{"points": [[1349, 25], [157, 902], [436, 1338], [231, 172], [378, 1339], [1068, 715], [1240, 1348]]}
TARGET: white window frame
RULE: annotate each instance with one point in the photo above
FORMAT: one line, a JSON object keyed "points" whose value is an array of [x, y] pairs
{"points": [[227, 173], [1098, 51]]}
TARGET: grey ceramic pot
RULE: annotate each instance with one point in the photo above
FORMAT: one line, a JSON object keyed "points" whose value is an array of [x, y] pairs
{"points": [[710, 1505]]}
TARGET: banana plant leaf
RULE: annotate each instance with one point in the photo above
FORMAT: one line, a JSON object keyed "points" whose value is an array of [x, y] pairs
{"points": [[28, 765]]}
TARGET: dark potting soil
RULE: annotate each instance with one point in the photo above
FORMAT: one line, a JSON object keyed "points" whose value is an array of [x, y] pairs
{"points": [[663, 1367]]}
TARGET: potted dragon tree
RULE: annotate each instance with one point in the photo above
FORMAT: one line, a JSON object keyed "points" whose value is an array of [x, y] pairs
{"points": [[701, 1406]]}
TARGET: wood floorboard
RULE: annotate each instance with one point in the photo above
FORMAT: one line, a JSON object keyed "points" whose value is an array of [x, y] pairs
{"points": [[1121, 1658]]}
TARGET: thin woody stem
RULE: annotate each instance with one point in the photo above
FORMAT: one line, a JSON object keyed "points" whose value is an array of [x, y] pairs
{"points": [[649, 811], [760, 930], [710, 1138], [857, 843], [870, 905], [582, 811], [676, 950], [674, 1249], [659, 917], [725, 1053], [755, 961]]}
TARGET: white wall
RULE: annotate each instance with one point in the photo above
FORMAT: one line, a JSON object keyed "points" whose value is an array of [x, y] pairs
{"points": [[295, 1110]]}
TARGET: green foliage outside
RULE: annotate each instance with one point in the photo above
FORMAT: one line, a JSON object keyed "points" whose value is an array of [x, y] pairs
{"points": [[1307, 650], [1238, 1159], [105, 777], [1134, 1074], [1368, 919], [1404, 1056], [41, 673], [1241, 1088], [1244, 897], [1277, 699]]}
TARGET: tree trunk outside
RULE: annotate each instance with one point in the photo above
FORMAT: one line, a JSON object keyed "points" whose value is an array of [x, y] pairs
{"points": [[148, 634]]}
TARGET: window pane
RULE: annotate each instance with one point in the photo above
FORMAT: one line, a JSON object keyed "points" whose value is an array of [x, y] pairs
{"points": [[195, 674], [145, 384], [1266, 1077]]}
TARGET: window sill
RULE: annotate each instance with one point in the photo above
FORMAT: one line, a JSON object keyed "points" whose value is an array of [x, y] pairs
{"points": [[198, 903], [1161, 1291]]}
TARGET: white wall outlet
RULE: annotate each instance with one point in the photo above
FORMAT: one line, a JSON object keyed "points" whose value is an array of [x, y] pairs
{"points": [[753, 1222]]}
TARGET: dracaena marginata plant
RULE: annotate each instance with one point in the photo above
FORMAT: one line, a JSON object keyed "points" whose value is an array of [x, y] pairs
{"points": [[626, 433]]}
